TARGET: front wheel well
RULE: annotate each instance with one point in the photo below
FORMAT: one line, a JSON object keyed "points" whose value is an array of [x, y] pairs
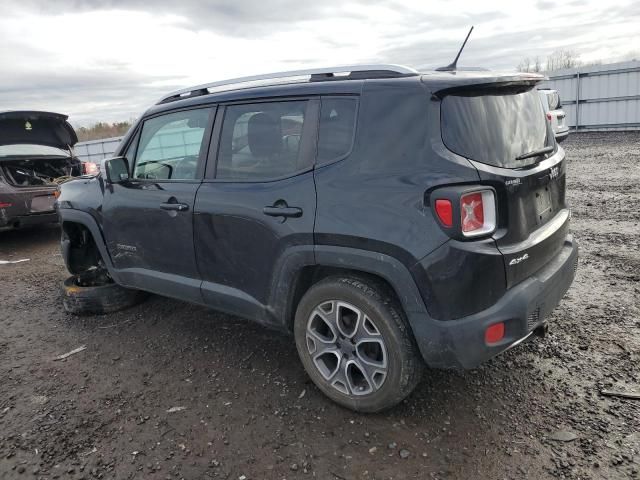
{"points": [[79, 248], [312, 274]]}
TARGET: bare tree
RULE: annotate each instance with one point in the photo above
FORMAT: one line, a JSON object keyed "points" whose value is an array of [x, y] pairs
{"points": [[537, 64], [563, 59], [530, 64], [524, 65]]}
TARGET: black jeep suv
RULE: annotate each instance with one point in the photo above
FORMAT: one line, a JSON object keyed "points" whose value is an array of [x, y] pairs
{"points": [[387, 218]]}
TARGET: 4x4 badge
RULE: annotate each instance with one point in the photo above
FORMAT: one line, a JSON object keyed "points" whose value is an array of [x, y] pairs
{"points": [[516, 261], [554, 172]]}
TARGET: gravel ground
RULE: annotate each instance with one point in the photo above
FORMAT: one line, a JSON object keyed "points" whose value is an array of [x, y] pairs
{"points": [[250, 411]]}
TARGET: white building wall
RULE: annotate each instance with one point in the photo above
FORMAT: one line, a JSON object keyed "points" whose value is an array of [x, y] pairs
{"points": [[96, 150], [600, 97]]}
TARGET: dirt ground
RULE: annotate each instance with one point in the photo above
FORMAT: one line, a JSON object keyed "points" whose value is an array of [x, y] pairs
{"points": [[250, 412]]}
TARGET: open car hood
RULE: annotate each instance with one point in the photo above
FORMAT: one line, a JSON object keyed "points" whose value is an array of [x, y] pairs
{"points": [[36, 128]]}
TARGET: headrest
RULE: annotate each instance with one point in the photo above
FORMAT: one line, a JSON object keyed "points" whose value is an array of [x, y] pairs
{"points": [[264, 135]]}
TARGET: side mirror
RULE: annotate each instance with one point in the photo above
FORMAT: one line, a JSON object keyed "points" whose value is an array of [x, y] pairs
{"points": [[116, 169]]}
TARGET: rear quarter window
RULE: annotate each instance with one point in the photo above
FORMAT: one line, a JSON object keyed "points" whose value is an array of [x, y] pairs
{"points": [[336, 128]]}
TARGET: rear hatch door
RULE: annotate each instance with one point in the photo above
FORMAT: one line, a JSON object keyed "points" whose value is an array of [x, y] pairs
{"points": [[502, 129], [35, 155], [36, 128]]}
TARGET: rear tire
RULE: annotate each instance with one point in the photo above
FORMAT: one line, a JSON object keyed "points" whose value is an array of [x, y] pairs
{"points": [[356, 344], [82, 297]]}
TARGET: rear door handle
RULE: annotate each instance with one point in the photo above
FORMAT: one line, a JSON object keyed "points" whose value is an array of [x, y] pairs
{"points": [[178, 207], [294, 212]]}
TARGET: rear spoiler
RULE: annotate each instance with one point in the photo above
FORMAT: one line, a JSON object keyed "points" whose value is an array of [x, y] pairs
{"points": [[441, 84], [487, 88]]}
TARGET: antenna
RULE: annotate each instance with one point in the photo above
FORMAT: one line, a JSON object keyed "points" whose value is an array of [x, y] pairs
{"points": [[453, 65]]}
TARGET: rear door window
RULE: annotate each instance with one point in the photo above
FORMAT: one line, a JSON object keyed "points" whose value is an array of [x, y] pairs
{"points": [[263, 141], [495, 126]]}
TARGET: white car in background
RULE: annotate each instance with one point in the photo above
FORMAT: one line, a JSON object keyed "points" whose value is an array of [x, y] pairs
{"points": [[556, 116]]}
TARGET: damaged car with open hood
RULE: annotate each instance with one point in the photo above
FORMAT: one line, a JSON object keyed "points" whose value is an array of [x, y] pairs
{"points": [[35, 157]]}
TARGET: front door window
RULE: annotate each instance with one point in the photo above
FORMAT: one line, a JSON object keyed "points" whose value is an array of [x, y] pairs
{"points": [[170, 146]]}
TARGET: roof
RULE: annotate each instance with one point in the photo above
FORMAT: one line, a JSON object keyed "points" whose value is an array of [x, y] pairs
{"points": [[325, 82], [296, 88], [347, 72]]}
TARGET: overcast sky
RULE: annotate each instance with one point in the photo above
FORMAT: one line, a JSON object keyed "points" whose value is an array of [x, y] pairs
{"points": [[108, 60]]}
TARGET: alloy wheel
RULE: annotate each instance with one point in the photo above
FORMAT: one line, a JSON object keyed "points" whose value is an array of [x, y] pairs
{"points": [[347, 348]]}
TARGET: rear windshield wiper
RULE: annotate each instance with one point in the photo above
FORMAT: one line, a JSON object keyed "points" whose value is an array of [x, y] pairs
{"points": [[535, 153]]}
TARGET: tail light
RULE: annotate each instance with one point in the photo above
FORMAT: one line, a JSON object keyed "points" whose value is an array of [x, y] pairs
{"points": [[465, 212], [478, 213], [90, 168], [548, 116], [444, 210]]}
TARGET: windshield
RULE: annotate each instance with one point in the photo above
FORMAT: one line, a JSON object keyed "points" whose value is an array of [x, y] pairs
{"points": [[28, 150], [495, 126]]}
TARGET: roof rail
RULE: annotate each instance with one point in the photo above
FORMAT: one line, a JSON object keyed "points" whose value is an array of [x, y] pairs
{"points": [[319, 73]]}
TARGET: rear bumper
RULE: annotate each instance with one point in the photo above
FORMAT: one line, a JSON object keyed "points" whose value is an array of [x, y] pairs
{"points": [[561, 135], [523, 308], [27, 220], [30, 206]]}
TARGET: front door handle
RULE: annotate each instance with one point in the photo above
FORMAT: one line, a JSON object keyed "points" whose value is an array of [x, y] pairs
{"points": [[178, 207], [283, 211]]}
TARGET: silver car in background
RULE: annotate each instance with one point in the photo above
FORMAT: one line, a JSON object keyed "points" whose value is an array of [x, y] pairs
{"points": [[555, 115]]}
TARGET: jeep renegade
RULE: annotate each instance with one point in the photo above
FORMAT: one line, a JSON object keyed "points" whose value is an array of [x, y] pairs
{"points": [[389, 219]]}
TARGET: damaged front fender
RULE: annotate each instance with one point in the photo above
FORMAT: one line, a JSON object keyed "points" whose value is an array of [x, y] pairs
{"points": [[79, 206], [79, 249], [84, 194]]}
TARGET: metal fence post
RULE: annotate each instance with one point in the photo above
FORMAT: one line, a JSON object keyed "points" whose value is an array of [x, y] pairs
{"points": [[577, 100]]}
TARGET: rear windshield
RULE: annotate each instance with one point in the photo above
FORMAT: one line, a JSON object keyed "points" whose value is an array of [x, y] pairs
{"points": [[495, 126]]}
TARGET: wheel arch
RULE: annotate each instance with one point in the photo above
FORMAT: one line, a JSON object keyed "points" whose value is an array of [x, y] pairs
{"points": [[311, 275], [82, 241], [385, 271]]}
